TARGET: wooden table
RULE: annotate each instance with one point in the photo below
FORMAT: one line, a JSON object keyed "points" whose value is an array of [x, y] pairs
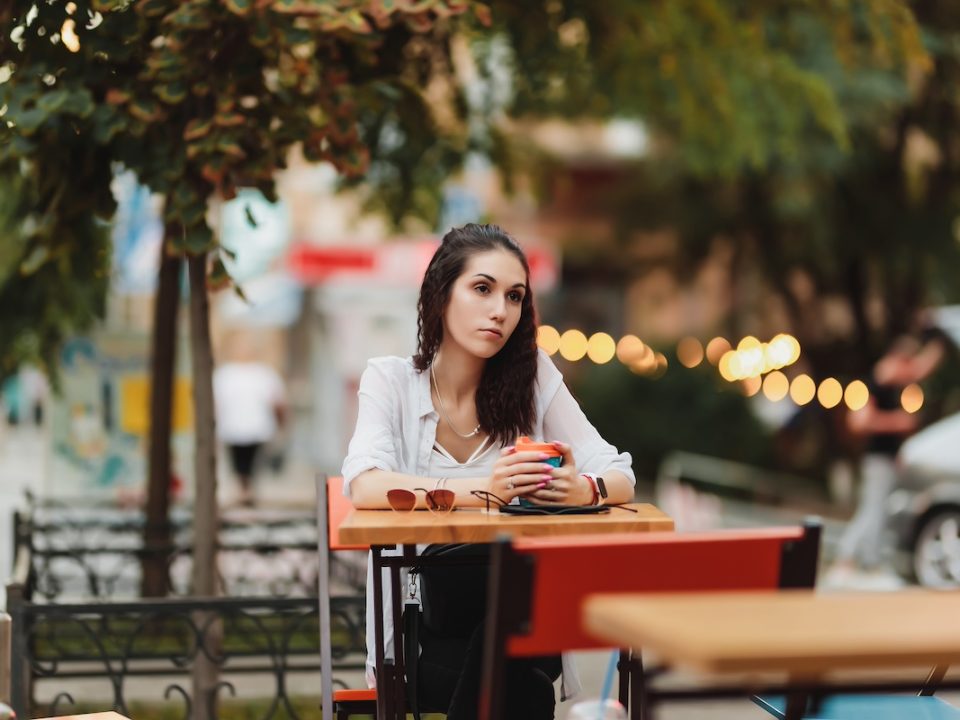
{"points": [[798, 632], [109, 715], [387, 528]]}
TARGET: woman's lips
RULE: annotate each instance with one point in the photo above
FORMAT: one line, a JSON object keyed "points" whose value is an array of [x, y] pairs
{"points": [[492, 333]]}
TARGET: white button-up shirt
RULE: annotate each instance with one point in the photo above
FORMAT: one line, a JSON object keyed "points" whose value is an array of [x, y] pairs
{"points": [[397, 429]]}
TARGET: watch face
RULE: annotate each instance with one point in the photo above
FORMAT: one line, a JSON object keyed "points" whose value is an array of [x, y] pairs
{"points": [[601, 486]]}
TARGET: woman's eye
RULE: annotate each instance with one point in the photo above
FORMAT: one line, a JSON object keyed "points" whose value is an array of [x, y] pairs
{"points": [[482, 289], [515, 297]]}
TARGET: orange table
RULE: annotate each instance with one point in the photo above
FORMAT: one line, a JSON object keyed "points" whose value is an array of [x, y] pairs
{"points": [[386, 528]]}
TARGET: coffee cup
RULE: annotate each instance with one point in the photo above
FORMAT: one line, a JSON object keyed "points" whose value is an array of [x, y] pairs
{"points": [[525, 444]]}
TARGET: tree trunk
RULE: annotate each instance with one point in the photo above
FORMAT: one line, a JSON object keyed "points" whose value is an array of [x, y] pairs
{"points": [[157, 534], [205, 517]]}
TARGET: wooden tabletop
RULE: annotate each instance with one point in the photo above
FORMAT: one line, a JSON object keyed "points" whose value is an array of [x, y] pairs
{"points": [[387, 527], [797, 631], [109, 715]]}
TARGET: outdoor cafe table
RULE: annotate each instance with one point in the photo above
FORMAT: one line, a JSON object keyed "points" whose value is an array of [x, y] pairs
{"points": [[383, 529], [800, 633], [108, 715]]}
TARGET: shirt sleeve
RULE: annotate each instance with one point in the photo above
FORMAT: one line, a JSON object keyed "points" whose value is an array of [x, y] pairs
{"points": [[565, 421], [373, 445]]}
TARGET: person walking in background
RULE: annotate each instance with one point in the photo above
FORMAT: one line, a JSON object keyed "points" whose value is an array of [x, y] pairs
{"points": [[250, 403], [884, 425]]}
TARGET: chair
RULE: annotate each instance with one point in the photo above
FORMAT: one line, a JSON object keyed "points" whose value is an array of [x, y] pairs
{"points": [[537, 587], [332, 508]]}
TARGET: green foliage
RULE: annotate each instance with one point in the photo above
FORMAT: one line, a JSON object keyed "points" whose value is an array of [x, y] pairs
{"points": [[41, 257], [728, 85], [690, 410], [197, 98]]}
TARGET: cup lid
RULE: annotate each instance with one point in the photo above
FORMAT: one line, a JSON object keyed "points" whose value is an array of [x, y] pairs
{"points": [[525, 444]]}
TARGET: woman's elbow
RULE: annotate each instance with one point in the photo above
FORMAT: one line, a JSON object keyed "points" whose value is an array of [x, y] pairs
{"points": [[363, 494], [620, 488]]}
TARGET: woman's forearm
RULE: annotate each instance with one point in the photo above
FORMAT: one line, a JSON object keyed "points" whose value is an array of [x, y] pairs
{"points": [[368, 491], [619, 487]]}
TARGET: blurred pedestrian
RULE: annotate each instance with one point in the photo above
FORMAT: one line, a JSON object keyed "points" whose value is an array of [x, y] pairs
{"points": [[251, 407], [884, 425]]}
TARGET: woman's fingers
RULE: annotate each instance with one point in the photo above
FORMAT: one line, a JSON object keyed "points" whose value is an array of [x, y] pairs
{"points": [[567, 451]]}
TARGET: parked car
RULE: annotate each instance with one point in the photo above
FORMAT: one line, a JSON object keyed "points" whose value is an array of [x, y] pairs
{"points": [[924, 511]]}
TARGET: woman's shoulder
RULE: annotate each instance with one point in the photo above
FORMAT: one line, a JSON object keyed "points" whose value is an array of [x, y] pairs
{"points": [[391, 369], [549, 378], [392, 363], [546, 370]]}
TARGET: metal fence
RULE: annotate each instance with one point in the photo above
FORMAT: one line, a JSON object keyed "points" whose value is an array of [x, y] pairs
{"points": [[68, 625]]}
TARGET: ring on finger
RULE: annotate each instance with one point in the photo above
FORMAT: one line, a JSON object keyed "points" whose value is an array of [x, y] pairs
{"points": [[509, 484]]}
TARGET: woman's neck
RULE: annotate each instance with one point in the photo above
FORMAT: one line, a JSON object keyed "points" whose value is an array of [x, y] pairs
{"points": [[458, 373]]}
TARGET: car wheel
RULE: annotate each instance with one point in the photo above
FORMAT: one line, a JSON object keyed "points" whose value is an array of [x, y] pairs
{"points": [[936, 554]]}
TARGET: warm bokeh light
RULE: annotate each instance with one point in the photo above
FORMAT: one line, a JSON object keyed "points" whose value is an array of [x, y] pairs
{"points": [[775, 386], [856, 395], [750, 386], [727, 371], [802, 389], [601, 348], [689, 352], [750, 361], [777, 353], [660, 366], [629, 349], [830, 393], [716, 349], [794, 349], [68, 34], [911, 399], [573, 345], [548, 338], [748, 343], [645, 363]]}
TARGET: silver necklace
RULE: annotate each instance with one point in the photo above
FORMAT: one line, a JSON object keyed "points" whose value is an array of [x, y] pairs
{"points": [[443, 412]]}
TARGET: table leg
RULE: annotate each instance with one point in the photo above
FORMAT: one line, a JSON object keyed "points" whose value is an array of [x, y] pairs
{"points": [[384, 684], [623, 667], [639, 707], [400, 674]]}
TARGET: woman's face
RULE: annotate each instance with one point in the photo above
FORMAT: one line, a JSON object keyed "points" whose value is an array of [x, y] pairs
{"points": [[485, 303]]}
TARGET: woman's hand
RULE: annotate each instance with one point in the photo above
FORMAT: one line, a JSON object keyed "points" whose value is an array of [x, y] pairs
{"points": [[519, 473], [565, 486]]}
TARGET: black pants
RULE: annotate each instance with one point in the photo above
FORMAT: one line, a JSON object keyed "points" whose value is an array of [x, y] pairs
{"points": [[449, 679]]}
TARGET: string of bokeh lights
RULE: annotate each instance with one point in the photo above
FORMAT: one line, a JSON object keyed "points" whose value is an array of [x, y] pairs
{"points": [[756, 366]]}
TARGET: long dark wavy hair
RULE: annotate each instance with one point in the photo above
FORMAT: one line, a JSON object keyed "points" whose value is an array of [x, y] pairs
{"points": [[505, 397]]}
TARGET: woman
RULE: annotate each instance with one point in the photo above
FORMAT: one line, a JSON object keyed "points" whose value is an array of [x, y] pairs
{"points": [[449, 417]]}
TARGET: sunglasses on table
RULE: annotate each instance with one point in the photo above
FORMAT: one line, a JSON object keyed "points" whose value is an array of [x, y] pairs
{"points": [[438, 501], [528, 508]]}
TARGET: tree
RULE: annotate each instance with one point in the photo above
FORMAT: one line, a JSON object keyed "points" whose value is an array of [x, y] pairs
{"points": [[818, 138]]}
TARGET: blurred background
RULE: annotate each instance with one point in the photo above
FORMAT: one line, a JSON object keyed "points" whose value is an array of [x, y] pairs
{"points": [[732, 212]]}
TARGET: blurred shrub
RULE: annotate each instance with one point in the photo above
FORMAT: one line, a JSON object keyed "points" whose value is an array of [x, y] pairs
{"points": [[689, 410]]}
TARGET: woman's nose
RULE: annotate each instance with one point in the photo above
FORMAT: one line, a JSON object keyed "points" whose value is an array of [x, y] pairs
{"points": [[498, 309]]}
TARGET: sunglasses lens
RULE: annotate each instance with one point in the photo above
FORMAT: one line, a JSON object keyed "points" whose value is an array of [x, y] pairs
{"points": [[440, 500], [402, 500]]}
